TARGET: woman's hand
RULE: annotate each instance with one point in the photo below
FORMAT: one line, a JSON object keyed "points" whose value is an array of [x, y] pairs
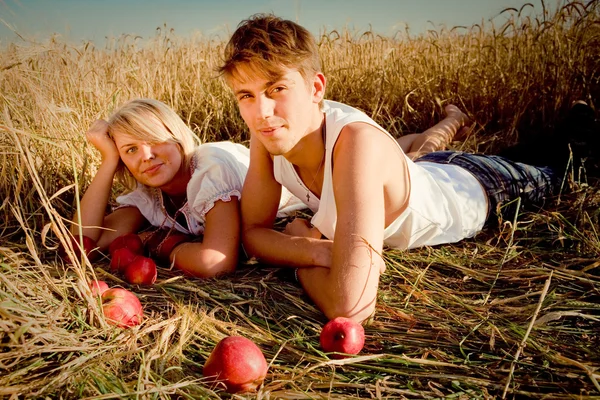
{"points": [[301, 227], [97, 135]]}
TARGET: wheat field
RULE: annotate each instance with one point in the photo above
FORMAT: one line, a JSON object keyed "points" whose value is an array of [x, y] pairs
{"points": [[512, 313]]}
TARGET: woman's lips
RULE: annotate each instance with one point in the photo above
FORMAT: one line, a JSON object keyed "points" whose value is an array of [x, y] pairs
{"points": [[153, 169]]}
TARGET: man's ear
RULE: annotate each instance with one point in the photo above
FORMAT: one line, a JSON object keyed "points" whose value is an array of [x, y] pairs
{"points": [[318, 86]]}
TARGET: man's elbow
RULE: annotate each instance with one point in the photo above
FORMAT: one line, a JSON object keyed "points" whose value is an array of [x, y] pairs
{"points": [[358, 313], [356, 303]]}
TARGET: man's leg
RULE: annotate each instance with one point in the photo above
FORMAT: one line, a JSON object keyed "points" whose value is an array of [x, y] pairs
{"points": [[504, 181], [454, 126]]}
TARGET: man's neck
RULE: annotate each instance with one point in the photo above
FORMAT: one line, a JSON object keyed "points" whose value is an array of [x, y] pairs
{"points": [[309, 151]]}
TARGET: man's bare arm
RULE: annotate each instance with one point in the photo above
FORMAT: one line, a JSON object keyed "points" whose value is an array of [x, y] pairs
{"points": [[260, 200], [349, 288]]}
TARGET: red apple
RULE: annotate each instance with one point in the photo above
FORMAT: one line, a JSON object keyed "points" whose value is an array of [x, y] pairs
{"points": [[237, 363], [130, 241], [141, 271], [122, 308], [121, 258], [98, 287], [342, 335], [89, 244]]}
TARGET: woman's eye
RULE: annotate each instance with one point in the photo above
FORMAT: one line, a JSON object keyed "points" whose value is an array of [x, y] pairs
{"points": [[131, 150]]}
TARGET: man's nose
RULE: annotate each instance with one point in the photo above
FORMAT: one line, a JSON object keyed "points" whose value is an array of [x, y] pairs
{"points": [[266, 106]]}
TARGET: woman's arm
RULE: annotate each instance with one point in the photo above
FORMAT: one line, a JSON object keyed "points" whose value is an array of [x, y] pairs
{"points": [[91, 216], [218, 253], [118, 223]]}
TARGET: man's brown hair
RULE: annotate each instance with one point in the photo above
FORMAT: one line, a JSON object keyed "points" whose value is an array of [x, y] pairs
{"points": [[268, 44]]}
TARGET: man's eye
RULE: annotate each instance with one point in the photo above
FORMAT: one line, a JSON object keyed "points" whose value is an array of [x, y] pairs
{"points": [[131, 150]]}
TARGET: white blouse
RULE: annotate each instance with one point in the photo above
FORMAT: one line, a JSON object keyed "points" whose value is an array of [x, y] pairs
{"points": [[219, 170]]}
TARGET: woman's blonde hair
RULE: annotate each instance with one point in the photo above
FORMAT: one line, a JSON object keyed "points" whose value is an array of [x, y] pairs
{"points": [[140, 118]]}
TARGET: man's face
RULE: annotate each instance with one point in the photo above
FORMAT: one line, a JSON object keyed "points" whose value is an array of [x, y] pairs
{"points": [[282, 111]]}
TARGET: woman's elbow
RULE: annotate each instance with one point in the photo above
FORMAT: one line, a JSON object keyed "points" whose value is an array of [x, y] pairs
{"points": [[225, 266], [210, 265]]}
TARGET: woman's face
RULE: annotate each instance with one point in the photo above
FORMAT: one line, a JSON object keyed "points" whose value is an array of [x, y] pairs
{"points": [[152, 164]]}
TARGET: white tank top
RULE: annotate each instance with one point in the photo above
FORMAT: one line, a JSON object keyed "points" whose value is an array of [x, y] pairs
{"points": [[446, 203]]}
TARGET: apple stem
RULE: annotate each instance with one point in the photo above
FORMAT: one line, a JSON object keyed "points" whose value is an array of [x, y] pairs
{"points": [[339, 336]]}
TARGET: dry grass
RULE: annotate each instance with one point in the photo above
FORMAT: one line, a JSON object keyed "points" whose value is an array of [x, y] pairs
{"points": [[514, 312]]}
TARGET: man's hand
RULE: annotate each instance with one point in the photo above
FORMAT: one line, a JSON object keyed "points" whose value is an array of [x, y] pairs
{"points": [[97, 135], [302, 227]]}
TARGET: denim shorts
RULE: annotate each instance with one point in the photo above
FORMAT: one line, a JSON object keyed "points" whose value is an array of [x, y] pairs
{"points": [[503, 180]]}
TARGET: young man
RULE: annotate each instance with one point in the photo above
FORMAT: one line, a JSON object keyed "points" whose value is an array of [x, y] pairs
{"points": [[365, 192]]}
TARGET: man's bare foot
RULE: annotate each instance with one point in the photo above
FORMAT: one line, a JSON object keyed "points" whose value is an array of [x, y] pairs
{"points": [[466, 125], [464, 133], [454, 112]]}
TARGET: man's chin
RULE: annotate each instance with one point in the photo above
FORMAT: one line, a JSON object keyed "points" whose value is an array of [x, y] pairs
{"points": [[277, 152]]}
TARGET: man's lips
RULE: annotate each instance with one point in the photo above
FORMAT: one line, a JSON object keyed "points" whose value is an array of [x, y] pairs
{"points": [[269, 131]]}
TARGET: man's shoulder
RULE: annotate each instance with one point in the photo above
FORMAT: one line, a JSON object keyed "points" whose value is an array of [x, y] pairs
{"points": [[344, 118], [335, 107]]}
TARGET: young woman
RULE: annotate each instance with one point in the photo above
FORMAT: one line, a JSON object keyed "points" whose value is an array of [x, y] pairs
{"points": [[188, 192]]}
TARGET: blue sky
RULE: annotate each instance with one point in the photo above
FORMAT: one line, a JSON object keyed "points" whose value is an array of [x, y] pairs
{"points": [[79, 20]]}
